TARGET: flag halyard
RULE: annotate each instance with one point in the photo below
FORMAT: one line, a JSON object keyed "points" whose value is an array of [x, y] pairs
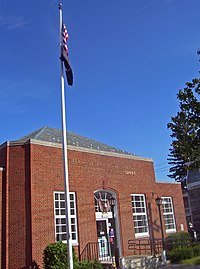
{"points": [[64, 56]]}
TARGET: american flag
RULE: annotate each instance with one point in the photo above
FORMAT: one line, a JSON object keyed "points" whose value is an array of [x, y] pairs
{"points": [[65, 37], [64, 56]]}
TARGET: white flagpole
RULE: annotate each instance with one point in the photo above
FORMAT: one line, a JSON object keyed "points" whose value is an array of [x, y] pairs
{"points": [[65, 159]]}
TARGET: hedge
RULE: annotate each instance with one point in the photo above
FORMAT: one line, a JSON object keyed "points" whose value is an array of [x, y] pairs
{"points": [[55, 256]]}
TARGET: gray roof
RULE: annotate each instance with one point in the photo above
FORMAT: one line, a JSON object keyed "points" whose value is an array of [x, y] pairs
{"points": [[55, 135]]}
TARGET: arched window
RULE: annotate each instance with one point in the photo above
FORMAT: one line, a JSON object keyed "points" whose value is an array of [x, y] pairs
{"points": [[102, 203]]}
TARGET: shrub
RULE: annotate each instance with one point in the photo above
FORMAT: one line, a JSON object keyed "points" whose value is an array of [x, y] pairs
{"points": [[55, 256], [196, 250], [193, 261], [89, 265], [180, 253], [175, 240]]}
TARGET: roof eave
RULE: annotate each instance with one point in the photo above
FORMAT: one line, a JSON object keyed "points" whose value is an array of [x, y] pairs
{"points": [[82, 149]]}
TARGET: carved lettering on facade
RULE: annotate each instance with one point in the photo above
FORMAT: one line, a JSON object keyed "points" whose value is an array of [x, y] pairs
{"points": [[130, 172], [127, 170]]}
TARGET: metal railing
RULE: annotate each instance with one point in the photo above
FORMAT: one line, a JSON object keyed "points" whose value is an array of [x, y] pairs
{"points": [[154, 246], [97, 251], [103, 251], [146, 246]]}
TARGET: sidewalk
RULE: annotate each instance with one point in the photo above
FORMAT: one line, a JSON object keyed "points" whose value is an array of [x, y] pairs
{"points": [[180, 266]]}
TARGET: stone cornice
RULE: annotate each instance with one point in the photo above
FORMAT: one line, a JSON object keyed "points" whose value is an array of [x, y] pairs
{"points": [[81, 149]]}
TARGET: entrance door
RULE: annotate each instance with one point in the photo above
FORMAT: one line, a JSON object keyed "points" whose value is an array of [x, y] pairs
{"points": [[108, 238], [103, 238], [105, 234]]}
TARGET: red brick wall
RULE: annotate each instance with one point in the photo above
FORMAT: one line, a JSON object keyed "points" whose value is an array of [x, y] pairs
{"points": [[4, 207], [19, 240], [36, 171], [94, 172], [46, 177], [16, 240], [88, 173], [174, 190]]}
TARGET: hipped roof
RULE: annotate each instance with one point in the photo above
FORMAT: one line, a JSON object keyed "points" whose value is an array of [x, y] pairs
{"points": [[54, 135]]}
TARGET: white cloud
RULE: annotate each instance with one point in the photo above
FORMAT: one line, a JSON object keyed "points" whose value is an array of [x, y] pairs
{"points": [[12, 22]]}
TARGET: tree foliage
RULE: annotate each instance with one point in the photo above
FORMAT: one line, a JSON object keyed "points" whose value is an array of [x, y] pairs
{"points": [[55, 256], [185, 127]]}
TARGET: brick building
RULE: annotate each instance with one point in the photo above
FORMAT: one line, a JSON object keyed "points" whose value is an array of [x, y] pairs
{"points": [[32, 208], [193, 190]]}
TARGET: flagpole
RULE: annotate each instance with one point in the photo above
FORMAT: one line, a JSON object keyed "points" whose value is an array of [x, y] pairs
{"points": [[65, 158]]}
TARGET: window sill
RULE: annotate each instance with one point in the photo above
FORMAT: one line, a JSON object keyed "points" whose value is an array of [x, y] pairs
{"points": [[138, 236], [171, 231]]}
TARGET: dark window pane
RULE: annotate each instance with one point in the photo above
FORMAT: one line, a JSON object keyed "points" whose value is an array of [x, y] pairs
{"points": [[64, 237], [62, 212], [64, 228], [63, 221], [73, 236], [62, 204], [57, 212], [73, 228], [59, 237], [57, 221], [72, 212], [62, 196]]}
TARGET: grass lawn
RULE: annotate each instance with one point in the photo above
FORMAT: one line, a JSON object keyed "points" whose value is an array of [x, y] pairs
{"points": [[192, 261]]}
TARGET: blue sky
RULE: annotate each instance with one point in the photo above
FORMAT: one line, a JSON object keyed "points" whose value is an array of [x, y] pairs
{"points": [[129, 60]]}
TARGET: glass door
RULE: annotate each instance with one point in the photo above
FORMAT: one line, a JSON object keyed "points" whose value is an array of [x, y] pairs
{"points": [[106, 223], [103, 238]]}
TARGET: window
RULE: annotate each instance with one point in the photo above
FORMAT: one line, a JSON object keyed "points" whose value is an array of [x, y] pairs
{"points": [[139, 215], [168, 214], [101, 199], [60, 217]]}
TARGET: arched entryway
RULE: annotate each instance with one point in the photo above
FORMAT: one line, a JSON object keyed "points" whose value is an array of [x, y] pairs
{"points": [[107, 223]]}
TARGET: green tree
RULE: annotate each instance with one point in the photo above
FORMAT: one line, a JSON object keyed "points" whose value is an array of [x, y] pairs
{"points": [[185, 127]]}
